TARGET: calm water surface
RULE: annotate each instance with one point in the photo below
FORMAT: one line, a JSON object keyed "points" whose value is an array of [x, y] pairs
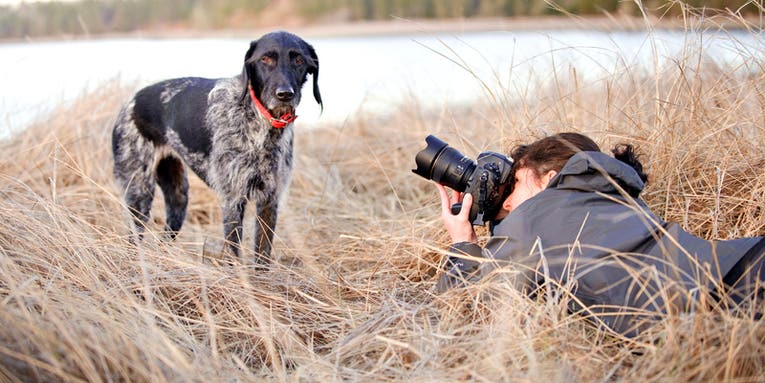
{"points": [[357, 74]]}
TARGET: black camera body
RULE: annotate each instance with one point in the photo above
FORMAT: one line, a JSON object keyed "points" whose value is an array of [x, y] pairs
{"points": [[489, 179]]}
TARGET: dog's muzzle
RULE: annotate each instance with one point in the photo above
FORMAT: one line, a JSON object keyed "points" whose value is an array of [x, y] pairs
{"points": [[278, 123]]}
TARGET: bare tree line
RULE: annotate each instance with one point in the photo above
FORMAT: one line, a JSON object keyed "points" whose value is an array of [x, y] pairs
{"points": [[108, 16]]}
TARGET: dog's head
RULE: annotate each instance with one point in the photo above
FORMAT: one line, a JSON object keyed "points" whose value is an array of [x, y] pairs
{"points": [[276, 66]]}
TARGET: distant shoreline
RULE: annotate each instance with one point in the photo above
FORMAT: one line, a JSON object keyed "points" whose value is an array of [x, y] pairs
{"points": [[397, 26]]}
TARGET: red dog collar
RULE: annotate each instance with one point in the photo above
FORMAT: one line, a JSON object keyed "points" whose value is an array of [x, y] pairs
{"points": [[277, 123]]}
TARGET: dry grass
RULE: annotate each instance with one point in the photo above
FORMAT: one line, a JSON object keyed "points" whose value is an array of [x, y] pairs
{"points": [[351, 296]]}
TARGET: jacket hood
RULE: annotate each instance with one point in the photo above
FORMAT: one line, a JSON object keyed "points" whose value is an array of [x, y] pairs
{"points": [[597, 171]]}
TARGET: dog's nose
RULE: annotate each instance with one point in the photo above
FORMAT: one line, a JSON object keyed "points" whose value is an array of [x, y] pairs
{"points": [[285, 93]]}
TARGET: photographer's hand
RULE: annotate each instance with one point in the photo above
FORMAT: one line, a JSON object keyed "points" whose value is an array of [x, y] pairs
{"points": [[458, 226]]}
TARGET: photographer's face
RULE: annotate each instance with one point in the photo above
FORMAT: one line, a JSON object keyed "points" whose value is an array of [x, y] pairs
{"points": [[527, 185]]}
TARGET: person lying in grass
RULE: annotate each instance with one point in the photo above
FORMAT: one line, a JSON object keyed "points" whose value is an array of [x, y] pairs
{"points": [[574, 221]]}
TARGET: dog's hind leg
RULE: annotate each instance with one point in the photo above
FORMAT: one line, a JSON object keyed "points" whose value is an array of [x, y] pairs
{"points": [[171, 177], [264, 230], [134, 171]]}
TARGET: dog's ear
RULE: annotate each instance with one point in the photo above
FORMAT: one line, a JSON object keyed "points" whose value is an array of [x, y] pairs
{"points": [[246, 70], [313, 69]]}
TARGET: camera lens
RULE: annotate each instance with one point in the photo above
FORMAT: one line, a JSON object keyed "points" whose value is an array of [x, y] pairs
{"points": [[443, 164], [489, 179]]}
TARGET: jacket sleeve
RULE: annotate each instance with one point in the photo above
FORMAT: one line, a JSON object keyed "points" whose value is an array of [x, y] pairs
{"points": [[512, 245], [459, 269], [501, 249]]}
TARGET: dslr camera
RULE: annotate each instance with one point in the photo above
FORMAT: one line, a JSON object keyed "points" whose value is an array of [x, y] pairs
{"points": [[489, 179]]}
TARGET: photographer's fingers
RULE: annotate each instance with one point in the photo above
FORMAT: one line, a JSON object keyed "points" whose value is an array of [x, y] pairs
{"points": [[467, 203], [458, 227], [458, 196], [446, 203]]}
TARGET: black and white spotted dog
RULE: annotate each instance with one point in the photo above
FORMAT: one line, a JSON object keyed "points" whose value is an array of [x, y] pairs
{"points": [[224, 130]]}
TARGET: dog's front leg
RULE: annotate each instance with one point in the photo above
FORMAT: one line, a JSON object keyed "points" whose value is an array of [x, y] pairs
{"points": [[233, 215], [264, 230]]}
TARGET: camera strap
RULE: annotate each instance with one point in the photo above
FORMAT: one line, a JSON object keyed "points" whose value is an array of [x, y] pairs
{"points": [[483, 195]]}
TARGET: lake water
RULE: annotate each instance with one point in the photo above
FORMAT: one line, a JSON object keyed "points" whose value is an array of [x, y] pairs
{"points": [[368, 74]]}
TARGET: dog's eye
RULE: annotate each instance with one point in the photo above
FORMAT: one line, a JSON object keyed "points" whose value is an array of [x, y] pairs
{"points": [[268, 60], [299, 60]]}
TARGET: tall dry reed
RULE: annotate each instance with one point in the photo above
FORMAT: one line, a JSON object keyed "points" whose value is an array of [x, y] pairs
{"points": [[351, 294]]}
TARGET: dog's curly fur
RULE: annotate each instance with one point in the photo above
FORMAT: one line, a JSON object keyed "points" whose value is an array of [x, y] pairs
{"points": [[211, 126]]}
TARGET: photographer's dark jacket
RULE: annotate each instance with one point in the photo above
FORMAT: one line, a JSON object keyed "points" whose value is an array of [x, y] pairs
{"points": [[588, 232]]}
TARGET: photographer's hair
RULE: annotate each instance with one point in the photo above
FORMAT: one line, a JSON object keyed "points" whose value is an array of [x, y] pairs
{"points": [[626, 153], [552, 153]]}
